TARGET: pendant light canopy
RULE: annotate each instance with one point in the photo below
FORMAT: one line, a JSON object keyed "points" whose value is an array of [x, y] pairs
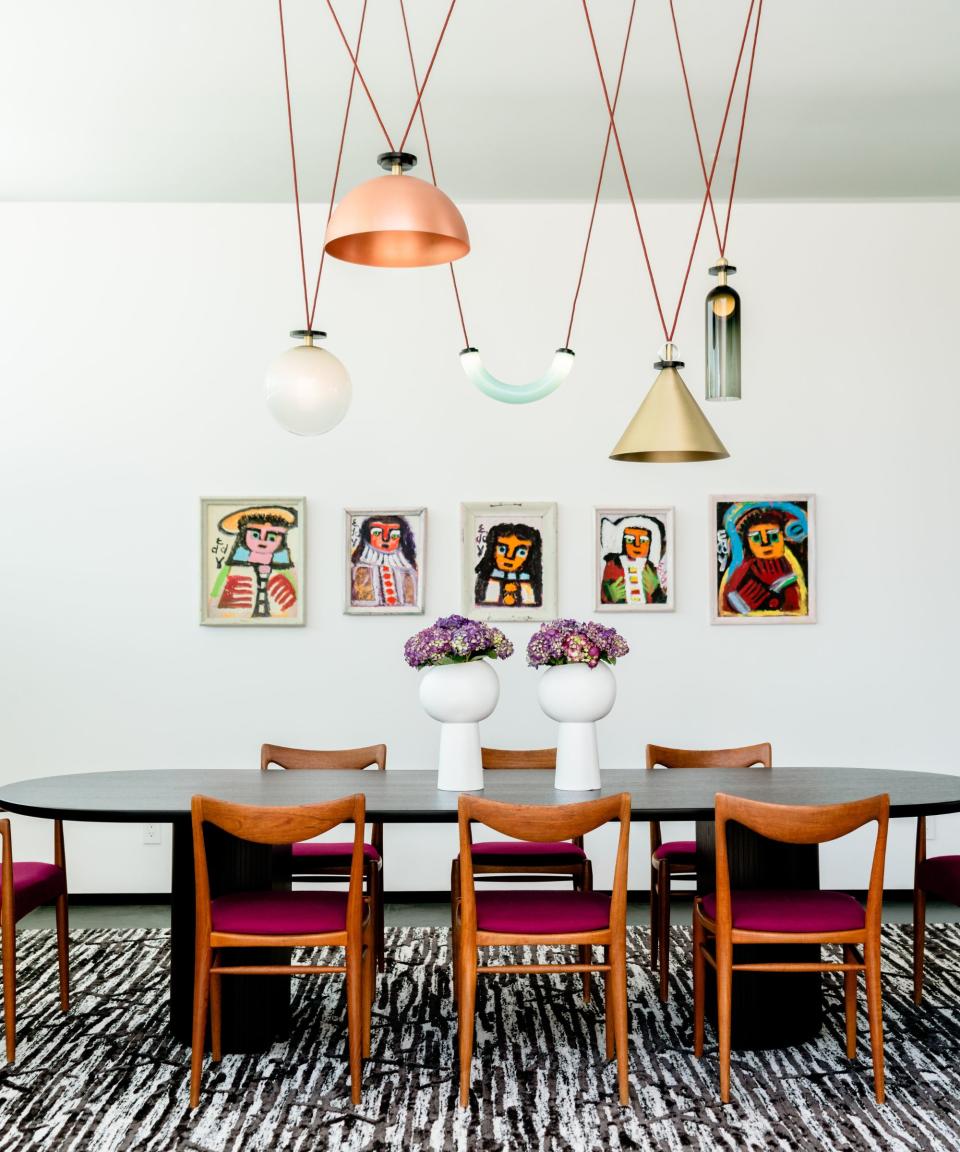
{"points": [[396, 221], [723, 336], [669, 427], [308, 389]]}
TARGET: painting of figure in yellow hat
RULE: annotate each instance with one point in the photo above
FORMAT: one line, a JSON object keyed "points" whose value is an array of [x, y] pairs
{"points": [[252, 561]]}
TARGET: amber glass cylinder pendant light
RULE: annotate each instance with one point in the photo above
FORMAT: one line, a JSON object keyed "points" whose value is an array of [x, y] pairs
{"points": [[723, 336], [669, 427], [397, 221]]}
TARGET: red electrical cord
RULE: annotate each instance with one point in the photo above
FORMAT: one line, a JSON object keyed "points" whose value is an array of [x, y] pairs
{"points": [[667, 332]]}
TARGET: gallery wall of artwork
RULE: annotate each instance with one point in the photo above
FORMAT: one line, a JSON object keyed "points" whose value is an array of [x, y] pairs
{"points": [[106, 661]]}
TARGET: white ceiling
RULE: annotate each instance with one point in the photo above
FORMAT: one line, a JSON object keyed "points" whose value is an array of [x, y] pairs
{"points": [[183, 100]]}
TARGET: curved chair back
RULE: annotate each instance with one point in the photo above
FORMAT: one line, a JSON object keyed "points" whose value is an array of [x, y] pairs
{"points": [[519, 757], [544, 823], [801, 824]]}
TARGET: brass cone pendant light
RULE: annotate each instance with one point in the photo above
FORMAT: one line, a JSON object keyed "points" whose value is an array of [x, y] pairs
{"points": [[669, 426], [396, 221]]}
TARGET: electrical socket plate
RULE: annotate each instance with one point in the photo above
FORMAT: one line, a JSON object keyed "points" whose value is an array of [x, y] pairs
{"points": [[151, 833]]}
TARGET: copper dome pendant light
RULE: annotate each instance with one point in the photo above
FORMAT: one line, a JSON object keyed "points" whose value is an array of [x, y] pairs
{"points": [[396, 221]]}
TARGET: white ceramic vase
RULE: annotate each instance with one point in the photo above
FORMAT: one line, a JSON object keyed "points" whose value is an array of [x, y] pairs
{"points": [[577, 696], [460, 696]]}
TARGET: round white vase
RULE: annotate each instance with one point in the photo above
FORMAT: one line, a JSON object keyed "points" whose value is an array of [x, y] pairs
{"points": [[577, 696], [460, 696]]}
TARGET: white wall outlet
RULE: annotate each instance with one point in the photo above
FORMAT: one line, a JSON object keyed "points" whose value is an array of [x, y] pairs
{"points": [[151, 833], [931, 827]]}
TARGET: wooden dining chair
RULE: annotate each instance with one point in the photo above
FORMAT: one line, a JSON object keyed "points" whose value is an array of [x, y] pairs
{"points": [[678, 858], [326, 862], [281, 919], [495, 919], [940, 877], [725, 918], [24, 886], [513, 861]]}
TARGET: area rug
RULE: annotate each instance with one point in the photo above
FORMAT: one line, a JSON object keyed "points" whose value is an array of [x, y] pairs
{"points": [[107, 1076]]}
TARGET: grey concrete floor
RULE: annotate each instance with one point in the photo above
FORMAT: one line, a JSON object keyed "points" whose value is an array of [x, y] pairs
{"points": [[434, 914]]}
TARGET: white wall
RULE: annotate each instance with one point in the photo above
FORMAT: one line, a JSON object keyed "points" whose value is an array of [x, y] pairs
{"points": [[132, 350]]}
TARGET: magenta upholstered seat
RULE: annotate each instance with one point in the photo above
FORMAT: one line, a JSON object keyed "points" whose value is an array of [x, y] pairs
{"points": [[940, 875], [528, 851], [326, 849], [677, 850], [280, 913], [787, 911], [35, 884], [542, 912]]}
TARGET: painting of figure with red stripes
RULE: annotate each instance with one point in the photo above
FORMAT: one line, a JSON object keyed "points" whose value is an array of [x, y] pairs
{"points": [[252, 561], [385, 550]]}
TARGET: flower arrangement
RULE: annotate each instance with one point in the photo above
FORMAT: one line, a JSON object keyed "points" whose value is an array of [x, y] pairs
{"points": [[575, 642], [455, 640]]}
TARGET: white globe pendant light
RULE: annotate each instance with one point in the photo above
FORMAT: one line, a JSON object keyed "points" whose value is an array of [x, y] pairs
{"points": [[308, 390]]}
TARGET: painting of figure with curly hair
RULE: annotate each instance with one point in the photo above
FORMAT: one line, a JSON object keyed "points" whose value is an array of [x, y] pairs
{"points": [[763, 550], [509, 560]]}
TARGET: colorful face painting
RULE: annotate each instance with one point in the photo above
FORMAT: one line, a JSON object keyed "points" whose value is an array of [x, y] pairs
{"points": [[384, 569], [763, 560], [634, 560], [251, 562], [509, 561]]}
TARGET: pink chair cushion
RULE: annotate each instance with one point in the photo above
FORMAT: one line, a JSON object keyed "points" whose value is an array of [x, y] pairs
{"points": [[677, 850], [280, 913], [325, 849], [35, 884], [788, 911], [528, 851], [542, 913], [941, 876]]}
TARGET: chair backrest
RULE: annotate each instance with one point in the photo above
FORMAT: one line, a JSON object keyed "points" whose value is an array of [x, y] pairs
{"points": [[373, 755], [659, 756], [519, 757], [276, 826], [543, 823], [801, 824]]}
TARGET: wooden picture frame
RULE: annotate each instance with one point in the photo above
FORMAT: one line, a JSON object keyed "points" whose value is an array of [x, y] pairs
{"points": [[528, 590]]}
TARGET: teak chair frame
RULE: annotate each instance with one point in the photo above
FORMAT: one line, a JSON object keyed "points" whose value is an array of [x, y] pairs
{"points": [[663, 871], [580, 871], [543, 823], [8, 929], [374, 755], [279, 826], [792, 824], [919, 911]]}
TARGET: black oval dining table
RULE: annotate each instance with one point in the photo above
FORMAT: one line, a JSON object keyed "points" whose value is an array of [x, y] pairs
{"points": [[768, 1010]]}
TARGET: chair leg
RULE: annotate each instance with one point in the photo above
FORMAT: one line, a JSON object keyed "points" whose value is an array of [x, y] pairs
{"points": [[699, 984], [586, 952], [724, 956], [466, 1010], [381, 931], [663, 928], [10, 985], [63, 951], [454, 930], [875, 1013], [369, 981], [216, 1017], [618, 984], [609, 996], [201, 991], [654, 920], [850, 1000], [919, 940], [355, 1015]]}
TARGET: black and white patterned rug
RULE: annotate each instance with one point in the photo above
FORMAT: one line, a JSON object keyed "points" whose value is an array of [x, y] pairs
{"points": [[107, 1076]]}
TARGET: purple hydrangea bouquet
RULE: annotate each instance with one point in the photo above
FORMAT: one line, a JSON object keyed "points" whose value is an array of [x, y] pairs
{"points": [[455, 640], [575, 642]]}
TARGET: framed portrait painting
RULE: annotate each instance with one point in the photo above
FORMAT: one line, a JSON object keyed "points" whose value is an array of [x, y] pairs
{"points": [[385, 550], [509, 558], [252, 561], [762, 560], [633, 559]]}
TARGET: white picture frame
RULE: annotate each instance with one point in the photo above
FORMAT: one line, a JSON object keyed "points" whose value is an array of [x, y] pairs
{"points": [[372, 585], [234, 589], [796, 515], [643, 585], [534, 603]]}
